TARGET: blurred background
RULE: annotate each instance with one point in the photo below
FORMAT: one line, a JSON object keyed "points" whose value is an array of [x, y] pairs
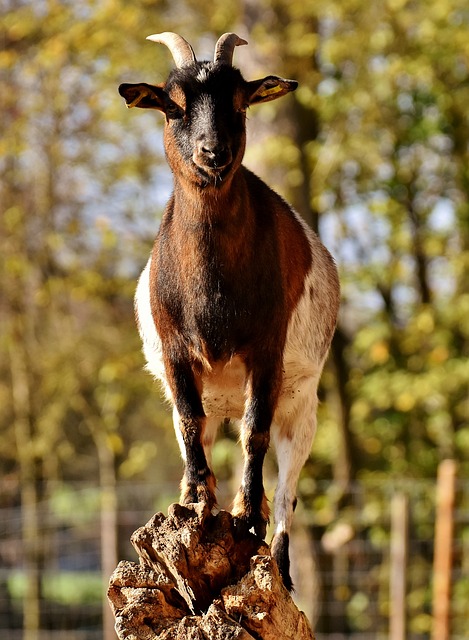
{"points": [[372, 149]]}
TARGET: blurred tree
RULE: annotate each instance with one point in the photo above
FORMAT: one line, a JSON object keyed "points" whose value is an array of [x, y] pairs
{"points": [[69, 348], [383, 164], [372, 149]]}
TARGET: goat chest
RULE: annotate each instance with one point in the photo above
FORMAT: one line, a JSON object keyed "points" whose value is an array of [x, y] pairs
{"points": [[221, 298]]}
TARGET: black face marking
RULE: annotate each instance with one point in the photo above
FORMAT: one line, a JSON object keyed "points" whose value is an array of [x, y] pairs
{"points": [[210, 133]]}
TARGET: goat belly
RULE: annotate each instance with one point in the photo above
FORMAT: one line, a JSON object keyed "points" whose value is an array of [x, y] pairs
{"points": [[223, 389]]}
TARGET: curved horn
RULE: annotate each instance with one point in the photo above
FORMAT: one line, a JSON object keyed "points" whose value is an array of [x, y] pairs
{"points": [[181, 50], [225, 47]]}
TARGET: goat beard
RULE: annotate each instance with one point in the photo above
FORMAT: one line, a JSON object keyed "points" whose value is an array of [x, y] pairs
{"points": [[211, 176]]}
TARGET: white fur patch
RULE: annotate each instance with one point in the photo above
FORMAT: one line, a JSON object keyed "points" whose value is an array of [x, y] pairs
{"points": [[151, 342], [202, 74]]}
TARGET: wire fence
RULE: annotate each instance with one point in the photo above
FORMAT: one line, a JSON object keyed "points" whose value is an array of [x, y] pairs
{"points": [[341, 560]]}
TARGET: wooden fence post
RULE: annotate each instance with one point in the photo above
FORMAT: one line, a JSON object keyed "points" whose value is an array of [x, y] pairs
{"points": [[442, 560], [398, 566]]}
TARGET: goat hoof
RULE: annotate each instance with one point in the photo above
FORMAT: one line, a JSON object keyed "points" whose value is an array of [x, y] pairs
{"points": [[194, 493], [188, 496], [253, 517], [279, 550], [260, 528], [243, 524]]}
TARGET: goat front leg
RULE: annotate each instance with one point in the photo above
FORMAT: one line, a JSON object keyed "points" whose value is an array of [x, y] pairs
{"points": [[250, 506], [198, 483]]}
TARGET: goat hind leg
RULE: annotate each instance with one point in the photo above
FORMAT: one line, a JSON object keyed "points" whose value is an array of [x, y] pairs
{"points": [[292, 449]]}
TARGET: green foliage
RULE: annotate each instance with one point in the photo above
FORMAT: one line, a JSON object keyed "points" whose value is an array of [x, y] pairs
{"points": [[73, 237], [67, 587], [372, 149]]}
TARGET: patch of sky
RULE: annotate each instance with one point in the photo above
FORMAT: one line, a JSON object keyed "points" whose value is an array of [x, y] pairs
{"points": [[442, 217], [355, 236], [328, 87]]}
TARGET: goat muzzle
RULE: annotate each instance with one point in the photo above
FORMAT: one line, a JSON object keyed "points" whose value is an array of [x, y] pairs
{"points": [[212, 158]]}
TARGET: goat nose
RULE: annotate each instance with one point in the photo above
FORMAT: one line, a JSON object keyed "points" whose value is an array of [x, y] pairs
{"points": [[213, 152], [207, 151], [210, 149]]}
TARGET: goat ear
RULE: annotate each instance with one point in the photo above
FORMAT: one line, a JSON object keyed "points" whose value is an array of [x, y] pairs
{"points": [[269, 88], [145, 96]]}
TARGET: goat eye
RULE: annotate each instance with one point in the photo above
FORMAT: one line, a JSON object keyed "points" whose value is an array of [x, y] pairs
{"points": [[173, 111]]}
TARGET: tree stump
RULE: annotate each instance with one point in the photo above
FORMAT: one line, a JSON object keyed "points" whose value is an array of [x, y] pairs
{"points": [[200, 578]]}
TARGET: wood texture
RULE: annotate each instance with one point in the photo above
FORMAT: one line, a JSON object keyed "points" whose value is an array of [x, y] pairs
{"points": [[199, 577]]}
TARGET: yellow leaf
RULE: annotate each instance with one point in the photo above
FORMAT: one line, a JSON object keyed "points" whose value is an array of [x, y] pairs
{"points": [[405, 402], [379, 352]]}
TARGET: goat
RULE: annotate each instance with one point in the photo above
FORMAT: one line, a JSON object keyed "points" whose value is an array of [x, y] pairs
{"points": [[238, 302]]}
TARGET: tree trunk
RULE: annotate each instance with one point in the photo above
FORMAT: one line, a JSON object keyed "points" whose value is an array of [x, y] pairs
{"points": [[199, 577], [31, 489]]}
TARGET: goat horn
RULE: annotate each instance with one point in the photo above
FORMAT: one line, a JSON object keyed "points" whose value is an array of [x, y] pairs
{"points": [[181, 50], [225, 47]]}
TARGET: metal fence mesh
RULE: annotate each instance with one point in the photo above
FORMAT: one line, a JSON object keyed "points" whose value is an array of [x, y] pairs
{"points": [[340, 560]]}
